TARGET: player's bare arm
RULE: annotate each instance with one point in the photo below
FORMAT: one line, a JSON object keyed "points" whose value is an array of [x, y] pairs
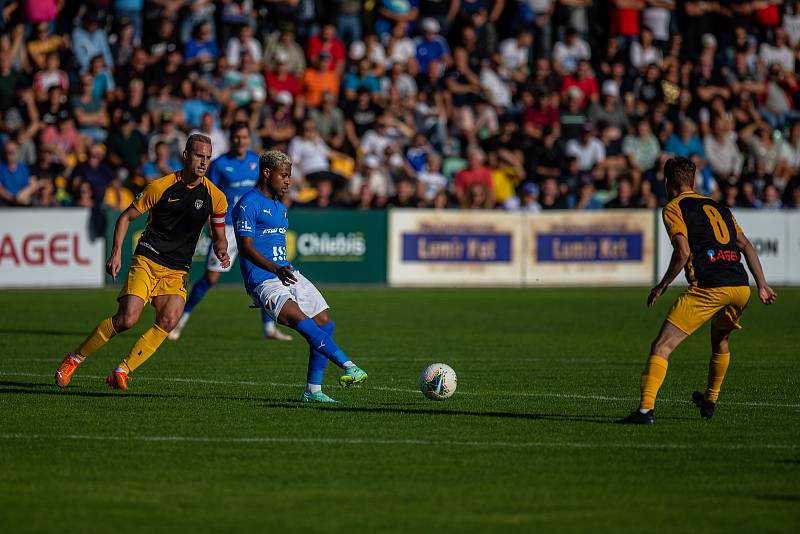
{"points": [[283, 272], [114, 261], [680, 255], [765, 293], [220, 245]]}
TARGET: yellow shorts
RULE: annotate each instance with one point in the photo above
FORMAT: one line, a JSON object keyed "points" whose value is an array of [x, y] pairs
{"points": [[697, 305], [147, 280]]}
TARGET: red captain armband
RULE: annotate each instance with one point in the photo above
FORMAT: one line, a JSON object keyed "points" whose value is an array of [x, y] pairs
{"points": [[218, 220]]}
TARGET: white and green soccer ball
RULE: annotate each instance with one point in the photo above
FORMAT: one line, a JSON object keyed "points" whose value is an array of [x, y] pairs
{"points": [[438, 381]]}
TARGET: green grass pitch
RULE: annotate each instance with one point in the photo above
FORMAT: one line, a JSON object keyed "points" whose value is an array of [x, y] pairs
{"points": [[211, 436]]}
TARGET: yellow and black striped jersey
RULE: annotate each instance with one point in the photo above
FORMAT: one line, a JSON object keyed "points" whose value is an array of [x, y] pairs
{"points": [[710, 228], [178, 213]]}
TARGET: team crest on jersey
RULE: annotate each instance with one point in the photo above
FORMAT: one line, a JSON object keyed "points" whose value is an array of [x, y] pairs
{"points": [[198, 204], [253, 166]]}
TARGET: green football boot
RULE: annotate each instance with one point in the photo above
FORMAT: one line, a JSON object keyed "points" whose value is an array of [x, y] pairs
{"points": [[352, 376], [319, 396]]}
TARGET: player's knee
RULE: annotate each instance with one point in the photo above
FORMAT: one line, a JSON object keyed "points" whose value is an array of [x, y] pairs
{"points": [[167, 322], [662, 347], [322, 318], [125, 321]]}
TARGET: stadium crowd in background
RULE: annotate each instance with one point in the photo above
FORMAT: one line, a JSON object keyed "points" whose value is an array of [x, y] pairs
{"points": [[510, 104]]}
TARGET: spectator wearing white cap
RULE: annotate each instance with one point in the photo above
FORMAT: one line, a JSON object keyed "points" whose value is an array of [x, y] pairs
{"points": [[609, 111], [431, 46]]}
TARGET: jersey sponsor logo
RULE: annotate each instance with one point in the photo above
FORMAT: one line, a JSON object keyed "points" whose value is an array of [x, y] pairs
{"points": [[228, 169], [173, 199], [198, 204], [722, 255], [147, 245], [267, 231]]}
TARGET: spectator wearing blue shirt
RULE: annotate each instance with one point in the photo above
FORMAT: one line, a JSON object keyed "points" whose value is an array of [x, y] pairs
{"points": [[16, 184], [162, 165], [96, 172], [202, 50], [685, 144], [131, 10], [363, 78], [431, 46], [195, 108], [89, 40], [390, 12]]}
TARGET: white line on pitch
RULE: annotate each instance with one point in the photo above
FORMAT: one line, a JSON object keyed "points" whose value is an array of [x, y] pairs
{"points": [[414, 391], [370, 441]]}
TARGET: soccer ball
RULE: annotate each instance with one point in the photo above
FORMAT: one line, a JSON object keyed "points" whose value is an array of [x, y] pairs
{"points": [[438, 381]]}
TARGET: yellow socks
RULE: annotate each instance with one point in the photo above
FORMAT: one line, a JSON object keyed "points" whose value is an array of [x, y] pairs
{"points": [[144, 347], [716, 374], [652, 378], [99, 337]]}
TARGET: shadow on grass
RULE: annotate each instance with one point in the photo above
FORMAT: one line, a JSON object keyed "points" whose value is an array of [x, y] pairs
{"points": [[601, 419], [26, 384], [42, 332], [18, 388], [779, 498]]}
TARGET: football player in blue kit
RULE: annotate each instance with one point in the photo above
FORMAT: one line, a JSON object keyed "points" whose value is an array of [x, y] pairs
{"points": [[260, 223], [234, 173]]}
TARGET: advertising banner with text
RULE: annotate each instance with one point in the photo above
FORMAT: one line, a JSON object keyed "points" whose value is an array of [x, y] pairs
{"points": [[611, 248], [49, 248], [455, 248]]}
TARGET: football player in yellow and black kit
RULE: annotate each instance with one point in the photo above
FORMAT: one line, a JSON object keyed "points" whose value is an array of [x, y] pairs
{"points": [[180, 204], [708, 243]]}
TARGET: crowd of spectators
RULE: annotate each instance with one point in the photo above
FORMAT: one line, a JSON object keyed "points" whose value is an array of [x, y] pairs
{"points": [[508, 104]]}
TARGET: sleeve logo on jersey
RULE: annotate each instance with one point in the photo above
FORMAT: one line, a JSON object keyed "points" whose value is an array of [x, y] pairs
{"points": [[244, 226], [669, 226], [722, 255], [198, 204]]}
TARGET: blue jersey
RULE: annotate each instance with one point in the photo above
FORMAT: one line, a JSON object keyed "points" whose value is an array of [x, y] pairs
{"points": [[234, 177], [264, 220]]}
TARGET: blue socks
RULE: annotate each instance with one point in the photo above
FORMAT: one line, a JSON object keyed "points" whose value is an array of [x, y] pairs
{"points": [[199, 291], [321, 342], [317, 361]]}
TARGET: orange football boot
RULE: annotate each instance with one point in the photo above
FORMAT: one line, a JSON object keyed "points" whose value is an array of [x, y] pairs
{"points": [[65, 370], [117, 380]]}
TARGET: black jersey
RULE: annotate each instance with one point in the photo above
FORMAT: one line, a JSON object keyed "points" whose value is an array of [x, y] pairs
{"points": [[710, 228], [177, 216]]}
